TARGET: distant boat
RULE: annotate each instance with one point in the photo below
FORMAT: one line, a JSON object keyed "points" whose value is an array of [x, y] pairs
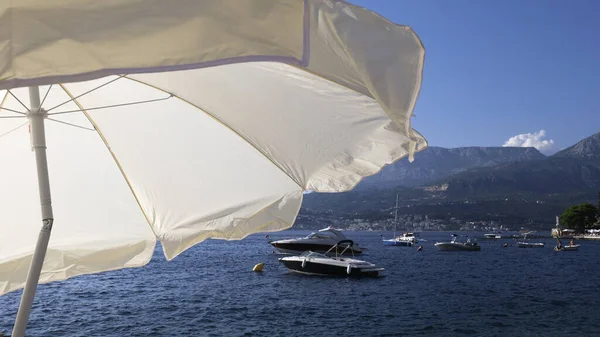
{"points": [[469, 245], [492, 236], [571, 247], [406, 240], [523, 244], [566, 248], [527, 244]]}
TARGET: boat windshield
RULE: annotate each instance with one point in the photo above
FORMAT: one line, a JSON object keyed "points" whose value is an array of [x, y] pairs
{"points": [[313, 254], [325, 234], [320, 236]]}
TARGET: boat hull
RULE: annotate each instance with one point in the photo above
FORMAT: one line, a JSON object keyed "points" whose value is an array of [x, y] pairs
{"points": [[530, 245], [453, 246], [566, 248], [399, 243], [312, 268]]}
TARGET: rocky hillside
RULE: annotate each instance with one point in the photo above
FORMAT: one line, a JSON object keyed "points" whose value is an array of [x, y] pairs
{"points": [[588, 148], [572, 170]]}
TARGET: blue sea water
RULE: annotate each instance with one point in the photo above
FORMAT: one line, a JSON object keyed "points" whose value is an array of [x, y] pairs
{"points": [[210, 290]]}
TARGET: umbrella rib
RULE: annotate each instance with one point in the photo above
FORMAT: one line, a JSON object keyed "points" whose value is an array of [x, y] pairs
{"points": [[74, 99], [7, 109], [46, 95], [4, 100], [14, 129], [113, 105], [18, 100], [15, 111], [224, 125], [71, 124], [85, 93]]}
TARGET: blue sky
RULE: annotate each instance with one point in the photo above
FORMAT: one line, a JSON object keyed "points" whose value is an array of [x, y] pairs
{"points": [[497, 69]]}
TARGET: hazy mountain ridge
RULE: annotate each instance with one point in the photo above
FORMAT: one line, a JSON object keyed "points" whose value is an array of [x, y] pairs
{"points": [[573, 169], [436, 162]]}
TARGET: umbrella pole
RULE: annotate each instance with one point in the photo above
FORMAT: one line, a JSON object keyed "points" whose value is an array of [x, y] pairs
{"points": [[38, 134]]}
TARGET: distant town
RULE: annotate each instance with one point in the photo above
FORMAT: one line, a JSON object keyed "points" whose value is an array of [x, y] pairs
{"points": [[410, 223]]}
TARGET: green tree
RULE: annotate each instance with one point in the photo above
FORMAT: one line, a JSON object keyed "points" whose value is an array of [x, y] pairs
{"points": [[579, 217]]}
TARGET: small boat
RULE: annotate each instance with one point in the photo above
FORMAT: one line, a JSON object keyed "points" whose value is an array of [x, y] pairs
{"points": [[566, 248], [410, 237], [571, 247], [523, 244], [320, 241], [470, 245], [405, 240], [397, 242], [527, 244], [492, 236], [313, 263]]}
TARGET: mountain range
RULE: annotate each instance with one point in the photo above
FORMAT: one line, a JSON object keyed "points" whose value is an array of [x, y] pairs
{"points": [[513, 185]]}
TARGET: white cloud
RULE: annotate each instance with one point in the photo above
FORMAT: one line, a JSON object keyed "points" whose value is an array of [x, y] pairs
{"points": [[536, 139]]}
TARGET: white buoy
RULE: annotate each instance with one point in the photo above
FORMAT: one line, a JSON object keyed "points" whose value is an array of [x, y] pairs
{"points": [[349, 269], [303, 262]]}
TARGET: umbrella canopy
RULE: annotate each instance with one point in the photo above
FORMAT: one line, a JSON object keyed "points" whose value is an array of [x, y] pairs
{"points": [[187, 120]]}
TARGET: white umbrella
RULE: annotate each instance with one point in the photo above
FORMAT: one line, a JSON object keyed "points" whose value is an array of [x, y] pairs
{"points": [[187, 120]]}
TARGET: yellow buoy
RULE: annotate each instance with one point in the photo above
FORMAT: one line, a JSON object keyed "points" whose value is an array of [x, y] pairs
{"points": [[258, 267]]}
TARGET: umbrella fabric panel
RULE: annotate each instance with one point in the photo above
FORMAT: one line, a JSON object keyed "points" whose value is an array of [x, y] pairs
{"points": [[324, 136], [192, 175], [41, 39], [99, 225], [361, 50]]}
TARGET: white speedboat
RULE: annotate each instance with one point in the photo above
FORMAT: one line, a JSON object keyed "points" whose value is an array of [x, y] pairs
{"points": [[411, 237], [470, 245], [397, 242], [319, 242], [314, 263], [405, 240]]}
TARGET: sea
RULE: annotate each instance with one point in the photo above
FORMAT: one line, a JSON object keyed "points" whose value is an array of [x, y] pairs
{"points": [[211, 290]]}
